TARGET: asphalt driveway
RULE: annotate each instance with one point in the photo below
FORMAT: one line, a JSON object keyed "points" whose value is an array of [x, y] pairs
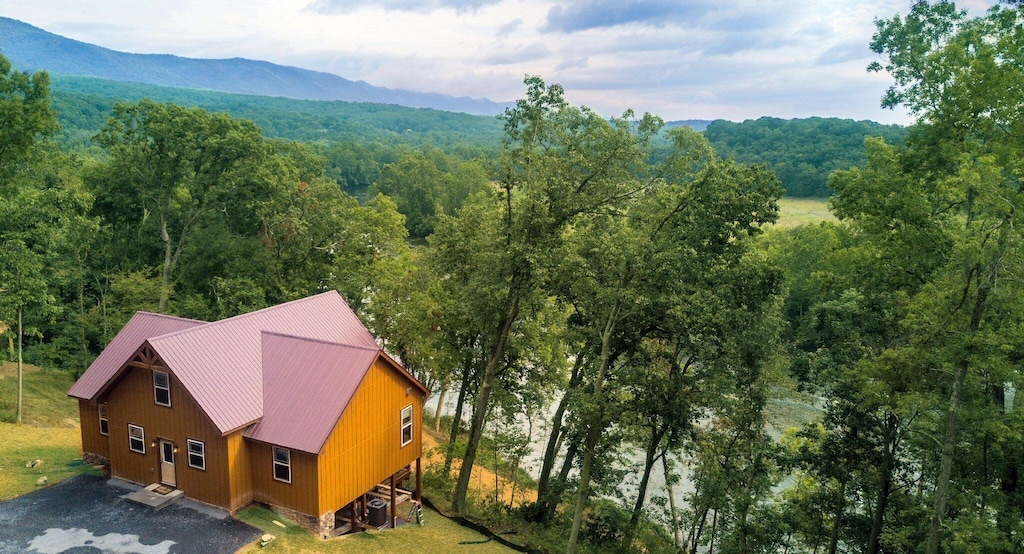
{"points": [[86, 515]]}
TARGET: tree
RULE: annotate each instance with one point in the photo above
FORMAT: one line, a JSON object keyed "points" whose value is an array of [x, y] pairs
{"points": [[939, 219], [177, 166], [558, 161], [25, 117]]}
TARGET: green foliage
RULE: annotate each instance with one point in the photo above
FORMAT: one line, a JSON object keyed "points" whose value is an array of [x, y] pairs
{"points": [[802, 152], [83, 104], [25, 116]]}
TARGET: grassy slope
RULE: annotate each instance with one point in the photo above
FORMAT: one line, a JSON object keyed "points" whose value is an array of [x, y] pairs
{"points": [[50, 432]]}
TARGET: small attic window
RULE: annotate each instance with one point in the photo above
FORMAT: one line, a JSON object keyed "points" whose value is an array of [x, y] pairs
{"points": [[162, 388]]}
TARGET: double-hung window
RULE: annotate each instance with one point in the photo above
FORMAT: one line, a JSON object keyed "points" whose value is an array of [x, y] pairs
{"points": [[162, 388], [196, 454], [406, 425], [104, 422], [282, 464], [136, 438]]}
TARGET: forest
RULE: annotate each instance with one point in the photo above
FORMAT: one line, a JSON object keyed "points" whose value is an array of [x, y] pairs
{"points": [[608, 288]]}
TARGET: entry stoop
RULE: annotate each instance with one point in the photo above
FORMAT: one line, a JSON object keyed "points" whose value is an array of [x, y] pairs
{"points": [[151, 497]]}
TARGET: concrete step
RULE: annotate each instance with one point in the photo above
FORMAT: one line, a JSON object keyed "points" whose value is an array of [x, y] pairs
{"points": [[150, 498]]}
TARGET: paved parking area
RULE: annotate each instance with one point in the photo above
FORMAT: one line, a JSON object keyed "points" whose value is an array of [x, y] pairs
{"points": [[85, 514]]}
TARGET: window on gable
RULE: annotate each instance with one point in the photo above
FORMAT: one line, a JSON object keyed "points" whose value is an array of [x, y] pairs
{"points": [[136, 439], [162, 388], [282, 464], [196, 454], [104, 423], [406, 425]]}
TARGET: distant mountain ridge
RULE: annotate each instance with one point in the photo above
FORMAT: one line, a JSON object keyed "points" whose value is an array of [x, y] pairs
{"points": [[30, 49]]}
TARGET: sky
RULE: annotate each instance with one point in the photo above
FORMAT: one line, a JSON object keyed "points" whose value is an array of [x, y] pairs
{"points": [[680, 59]]}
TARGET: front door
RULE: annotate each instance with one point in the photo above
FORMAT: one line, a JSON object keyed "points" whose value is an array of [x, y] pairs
{"points": [[167, 463]]}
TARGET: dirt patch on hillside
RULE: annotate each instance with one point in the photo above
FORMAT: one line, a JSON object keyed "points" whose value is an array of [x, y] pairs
{"points": [[483, 480]]}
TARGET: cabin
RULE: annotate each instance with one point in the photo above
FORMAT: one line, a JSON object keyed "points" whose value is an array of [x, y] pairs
{"points": [[294, 406]]}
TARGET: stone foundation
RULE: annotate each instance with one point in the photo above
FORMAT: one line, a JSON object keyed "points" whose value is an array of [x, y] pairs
{"points": [[95, 459], [322, 526]]}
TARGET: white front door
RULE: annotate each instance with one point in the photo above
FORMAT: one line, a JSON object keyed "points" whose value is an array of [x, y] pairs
{"points": [[167, 463]]}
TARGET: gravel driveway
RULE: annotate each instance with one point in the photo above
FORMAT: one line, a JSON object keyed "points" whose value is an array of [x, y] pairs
{"points": [[85, 514]]}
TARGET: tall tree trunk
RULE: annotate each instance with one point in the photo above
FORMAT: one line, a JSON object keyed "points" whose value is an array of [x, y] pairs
{"points": [[453, 434], [949, 441], [946, 463], [551, 450], [483, 397], [440, 408], [671, 499], [641, 495], [595, 427], [884, 489], [165, 274], [837, 516], [21, 373]]}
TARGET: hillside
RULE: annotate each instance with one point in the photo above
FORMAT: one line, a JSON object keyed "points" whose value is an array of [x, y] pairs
{"points": [[802, 152], [31, 48], [84, 103]]}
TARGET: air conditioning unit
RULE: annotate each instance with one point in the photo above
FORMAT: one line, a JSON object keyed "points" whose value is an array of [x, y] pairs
{"points": [[378, 512]]}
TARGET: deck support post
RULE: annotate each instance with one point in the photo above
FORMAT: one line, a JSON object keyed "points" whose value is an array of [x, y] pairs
{"points": [[419, 481], [394, 517]]}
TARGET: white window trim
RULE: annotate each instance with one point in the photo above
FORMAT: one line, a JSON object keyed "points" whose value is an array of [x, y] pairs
{"points": [[143, 438], [201, 454], [158, 387], [101, 411], [403, 426], [288, 464]]}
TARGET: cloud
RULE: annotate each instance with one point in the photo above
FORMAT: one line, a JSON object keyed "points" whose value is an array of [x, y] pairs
{"points": [[533, 52], [422, 6], [507, 29], [582, 15], [845, 52], [572, 63]]}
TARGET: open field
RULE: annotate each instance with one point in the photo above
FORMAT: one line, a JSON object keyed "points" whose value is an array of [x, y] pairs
{"points": [[799, 211]]}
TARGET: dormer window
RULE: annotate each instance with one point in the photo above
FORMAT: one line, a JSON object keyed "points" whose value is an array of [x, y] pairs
{"points": [[162, 388]]}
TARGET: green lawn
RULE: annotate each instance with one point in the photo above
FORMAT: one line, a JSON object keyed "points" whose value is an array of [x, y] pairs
{"points": [[437, 534], [799, 211]]}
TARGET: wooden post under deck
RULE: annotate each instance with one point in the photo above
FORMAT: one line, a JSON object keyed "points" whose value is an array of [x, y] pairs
{"points": [[419, 482], [394, 517]]}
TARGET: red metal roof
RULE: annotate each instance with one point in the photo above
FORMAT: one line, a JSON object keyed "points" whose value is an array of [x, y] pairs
{"points": [[140, 327], [268, 367], [220, 363], [299, 373]]}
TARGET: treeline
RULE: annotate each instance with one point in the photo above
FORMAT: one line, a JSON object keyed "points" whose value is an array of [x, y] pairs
{"points": [[83, 104], [622, 301], [802, 152]]}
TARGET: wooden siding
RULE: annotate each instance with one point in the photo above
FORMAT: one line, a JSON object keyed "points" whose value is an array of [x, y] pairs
{"points": [[92, 440], [299, 495], [131, 400], [239, 470], [365, 446]]}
